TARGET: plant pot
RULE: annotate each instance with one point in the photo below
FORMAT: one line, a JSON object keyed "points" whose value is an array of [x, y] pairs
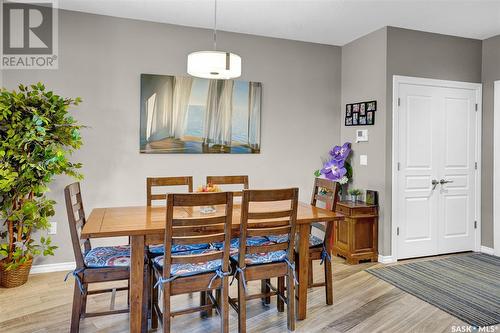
{"points": [[354, 198], [15, 277]]}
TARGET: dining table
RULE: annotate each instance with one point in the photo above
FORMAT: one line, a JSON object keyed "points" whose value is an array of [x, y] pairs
{"points": [[145, 225]]}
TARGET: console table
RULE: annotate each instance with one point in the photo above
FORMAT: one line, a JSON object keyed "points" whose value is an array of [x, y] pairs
{"points": [[356, 237]]}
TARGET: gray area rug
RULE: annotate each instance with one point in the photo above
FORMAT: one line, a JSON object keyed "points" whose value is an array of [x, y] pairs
{"points": [[466, 286]]}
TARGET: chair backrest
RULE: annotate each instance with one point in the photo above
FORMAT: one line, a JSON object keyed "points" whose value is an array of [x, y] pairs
{"points": [[229, 180], [76, 219], [197, 227], [152, 182], [329, 199], [268, 221]]}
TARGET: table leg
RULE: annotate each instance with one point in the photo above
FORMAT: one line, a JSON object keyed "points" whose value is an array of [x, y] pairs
{"points": [[304, 230], [136, 283]]}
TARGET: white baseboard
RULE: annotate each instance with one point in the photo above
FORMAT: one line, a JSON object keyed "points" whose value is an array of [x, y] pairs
{"points": [[487, 250], [48, 268], [386, 259]]}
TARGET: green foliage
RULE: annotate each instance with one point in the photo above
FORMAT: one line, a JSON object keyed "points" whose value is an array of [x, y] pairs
{"points": [[354, 191], [37, 137], [348, 168]]}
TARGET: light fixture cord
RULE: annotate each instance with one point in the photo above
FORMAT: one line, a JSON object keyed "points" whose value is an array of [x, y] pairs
{"points": [[215, 25]]}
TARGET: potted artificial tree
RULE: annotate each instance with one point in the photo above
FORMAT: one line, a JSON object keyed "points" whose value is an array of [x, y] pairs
{"points": [[37, 135]]}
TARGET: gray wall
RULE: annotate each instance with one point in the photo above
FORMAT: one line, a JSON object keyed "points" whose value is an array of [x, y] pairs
{"points": [[427, 55], [368, 66], [491, 73], [101, 59], [364, 79]]}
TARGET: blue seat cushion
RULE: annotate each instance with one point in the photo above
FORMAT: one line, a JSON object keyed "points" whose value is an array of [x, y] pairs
{"points": [[158, 249], [313, 240], [278, 238], [235, 243], [108, 256], [190, 269], [262, 258]]}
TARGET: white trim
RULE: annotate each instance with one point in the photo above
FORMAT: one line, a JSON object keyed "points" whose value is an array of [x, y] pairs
{"points": [[487, 250], [478, 87], [386, 259], [49, 268], [496, 165]]}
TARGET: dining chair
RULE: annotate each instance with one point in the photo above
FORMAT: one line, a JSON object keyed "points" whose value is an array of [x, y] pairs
{"points": [[93, 265], [271, 260], [321, 248], [197, 270], [152, 182], [229, 180], [162, 182]]}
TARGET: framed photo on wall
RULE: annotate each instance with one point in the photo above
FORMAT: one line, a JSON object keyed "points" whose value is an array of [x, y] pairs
{"points": [[360, 114]]}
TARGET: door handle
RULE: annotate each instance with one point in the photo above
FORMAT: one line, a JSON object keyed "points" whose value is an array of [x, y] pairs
{"points": [[442, 181], [434, 184]]}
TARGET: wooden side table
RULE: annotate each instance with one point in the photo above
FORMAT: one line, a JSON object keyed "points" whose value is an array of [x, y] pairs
{"points": [[356, 238]]}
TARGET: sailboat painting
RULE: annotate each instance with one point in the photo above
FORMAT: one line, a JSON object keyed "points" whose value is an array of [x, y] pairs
{"points": [[192, 115]]}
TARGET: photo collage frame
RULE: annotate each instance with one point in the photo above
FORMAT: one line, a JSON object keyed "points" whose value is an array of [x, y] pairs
{"points": [[360, 114]]}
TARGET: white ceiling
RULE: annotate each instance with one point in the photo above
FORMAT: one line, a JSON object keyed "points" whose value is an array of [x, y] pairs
{"points": [[335, 22]]}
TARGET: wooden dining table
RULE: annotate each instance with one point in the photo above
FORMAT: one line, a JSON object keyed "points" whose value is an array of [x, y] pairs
{"points": [[146, 225]]}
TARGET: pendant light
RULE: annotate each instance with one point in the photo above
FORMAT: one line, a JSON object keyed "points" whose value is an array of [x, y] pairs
{"points": [[214, 64]]}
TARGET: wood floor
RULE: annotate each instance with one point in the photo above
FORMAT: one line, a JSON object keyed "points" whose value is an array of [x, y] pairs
{"points": [[362, 303]]}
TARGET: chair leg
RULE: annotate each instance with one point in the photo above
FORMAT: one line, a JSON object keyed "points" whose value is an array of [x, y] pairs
{"points": [[204, 300], [128, 293], [328, 282], [281, 291], [242, 307], [83, 311], [310, 282], [154, 300], [297, 264], [77, 308], [264, 288], [166, 308], [218, 296], [224, 304], [290, 296], [145, 298]]}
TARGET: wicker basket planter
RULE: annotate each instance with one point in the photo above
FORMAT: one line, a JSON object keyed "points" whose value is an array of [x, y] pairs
{"points": [[15, 277]]}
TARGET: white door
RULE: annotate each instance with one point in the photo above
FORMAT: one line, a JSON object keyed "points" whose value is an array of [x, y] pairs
{"points": [[436, 170]]}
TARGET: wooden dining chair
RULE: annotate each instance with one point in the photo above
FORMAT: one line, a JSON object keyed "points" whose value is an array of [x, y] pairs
{"points": [[198, 270], [271, 260], [152, 182], [93, 265], [162, 182], [229, 180], [321, 248]]}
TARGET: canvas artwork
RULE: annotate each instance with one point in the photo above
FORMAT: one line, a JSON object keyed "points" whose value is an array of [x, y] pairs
{"points": [[192, 115]]}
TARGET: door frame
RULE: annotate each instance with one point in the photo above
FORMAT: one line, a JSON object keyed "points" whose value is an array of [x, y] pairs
{"points": [[478, 87], [496, 164]]}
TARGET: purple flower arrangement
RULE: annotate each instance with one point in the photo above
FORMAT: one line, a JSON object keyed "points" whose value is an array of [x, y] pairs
{"points": [[337, 168]]}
